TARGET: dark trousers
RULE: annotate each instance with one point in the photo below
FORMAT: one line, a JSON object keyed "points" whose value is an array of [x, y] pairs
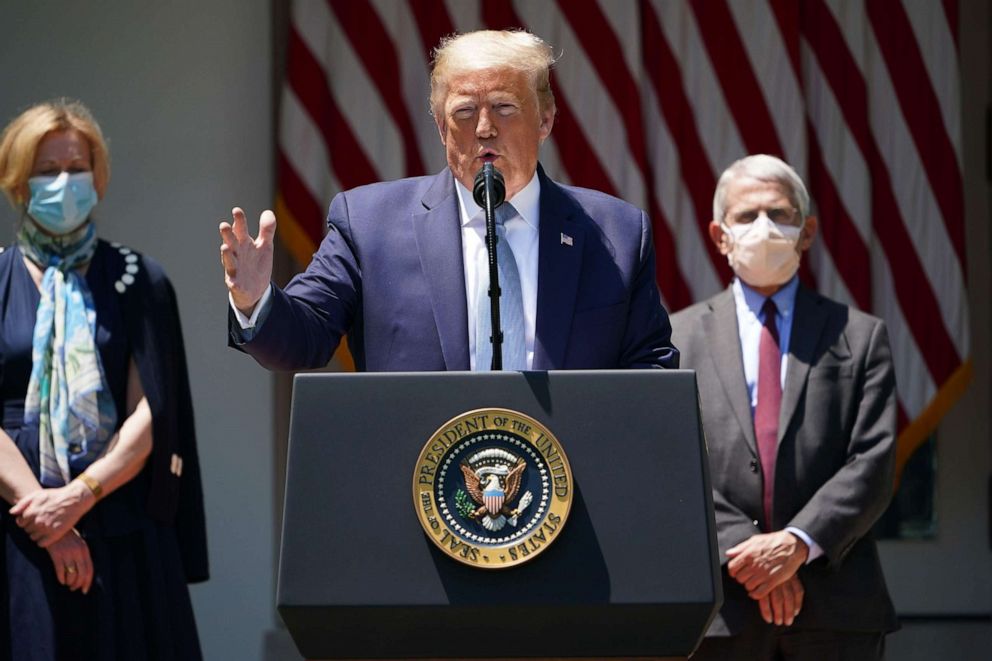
{"points": [[768, 643]]}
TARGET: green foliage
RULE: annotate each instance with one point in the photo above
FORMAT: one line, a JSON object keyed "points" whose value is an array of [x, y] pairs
{"points": [[463, 504]]}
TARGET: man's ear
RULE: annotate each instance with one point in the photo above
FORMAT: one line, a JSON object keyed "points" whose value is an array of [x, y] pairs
{"points": [[809, 233], [719, 237], [442, 129], [547, 122]]}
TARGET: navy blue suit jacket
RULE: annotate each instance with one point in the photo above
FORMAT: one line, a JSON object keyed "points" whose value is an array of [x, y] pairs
{"points": [[389, 274]]}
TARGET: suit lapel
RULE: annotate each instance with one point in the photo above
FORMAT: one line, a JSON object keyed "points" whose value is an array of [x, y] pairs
{"points": [[724, 342], [559, 264], [439, 242], [808, 321]]}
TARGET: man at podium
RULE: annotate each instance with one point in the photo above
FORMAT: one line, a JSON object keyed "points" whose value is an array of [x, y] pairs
{"points": [[798, 405], [403, 269]]}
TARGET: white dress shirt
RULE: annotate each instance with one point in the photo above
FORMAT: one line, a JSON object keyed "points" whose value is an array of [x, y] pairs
{"points": [[522, 235], [750, 320]]}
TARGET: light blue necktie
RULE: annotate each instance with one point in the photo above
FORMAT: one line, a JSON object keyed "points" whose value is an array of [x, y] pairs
{"points": [[511, 307]]}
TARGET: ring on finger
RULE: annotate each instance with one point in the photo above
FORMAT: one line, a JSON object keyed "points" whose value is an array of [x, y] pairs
{"points": [[70, 569]]}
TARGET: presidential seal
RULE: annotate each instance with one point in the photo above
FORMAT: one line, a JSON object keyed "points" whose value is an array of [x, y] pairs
{"points": [[492, 488]]}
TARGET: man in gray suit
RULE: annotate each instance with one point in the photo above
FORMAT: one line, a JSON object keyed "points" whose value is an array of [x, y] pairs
{"points": [[798, 403]]}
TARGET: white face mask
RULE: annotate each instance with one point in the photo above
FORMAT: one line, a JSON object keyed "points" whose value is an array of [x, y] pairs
{"points": [[763, 253]]}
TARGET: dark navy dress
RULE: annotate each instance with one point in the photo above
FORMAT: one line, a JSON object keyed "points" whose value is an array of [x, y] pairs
{"points": [[138, 606]]}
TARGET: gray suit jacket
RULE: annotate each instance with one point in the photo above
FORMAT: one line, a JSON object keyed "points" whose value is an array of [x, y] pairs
{"points": [[835, 462]]}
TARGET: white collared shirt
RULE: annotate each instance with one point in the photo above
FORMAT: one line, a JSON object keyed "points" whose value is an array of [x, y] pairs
{"points": [[522, 235]]}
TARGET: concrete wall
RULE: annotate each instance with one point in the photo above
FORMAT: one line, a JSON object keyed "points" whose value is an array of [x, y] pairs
{"points": [[183, 91]]}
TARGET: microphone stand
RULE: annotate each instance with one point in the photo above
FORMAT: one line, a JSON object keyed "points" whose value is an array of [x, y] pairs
{"points": [[490, 190]]}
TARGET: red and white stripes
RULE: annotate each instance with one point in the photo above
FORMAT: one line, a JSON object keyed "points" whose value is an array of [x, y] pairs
{"points": [[655, 98]]}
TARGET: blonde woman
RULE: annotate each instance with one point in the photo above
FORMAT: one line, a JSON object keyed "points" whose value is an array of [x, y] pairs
{"points": [[104, 525]]}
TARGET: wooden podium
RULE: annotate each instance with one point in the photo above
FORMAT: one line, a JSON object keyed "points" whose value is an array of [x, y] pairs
{"points": [[633, 574]]}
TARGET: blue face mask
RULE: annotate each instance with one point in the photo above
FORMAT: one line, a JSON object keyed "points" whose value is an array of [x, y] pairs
{"points": [[61, 204]]}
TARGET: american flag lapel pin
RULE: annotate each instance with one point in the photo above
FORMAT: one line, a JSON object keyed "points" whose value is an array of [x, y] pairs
{"points": [[566, 240]]}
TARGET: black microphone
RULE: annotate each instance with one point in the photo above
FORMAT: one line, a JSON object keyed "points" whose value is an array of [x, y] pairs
{"points": [[498, 186], [489, 191]]}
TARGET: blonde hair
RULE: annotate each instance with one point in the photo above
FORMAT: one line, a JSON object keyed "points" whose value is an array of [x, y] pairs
{"points": [[492, 49], [20, 140], [763, 168]]}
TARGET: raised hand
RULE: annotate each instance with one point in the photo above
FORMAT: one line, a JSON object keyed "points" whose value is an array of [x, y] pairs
{"points": [[73, 565], [247, 261]]}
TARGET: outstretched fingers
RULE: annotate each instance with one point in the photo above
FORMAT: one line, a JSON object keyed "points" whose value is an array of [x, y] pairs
{"points": [[229, 244], [240, 224], [247, 260], [266, 228], [229, 260]]}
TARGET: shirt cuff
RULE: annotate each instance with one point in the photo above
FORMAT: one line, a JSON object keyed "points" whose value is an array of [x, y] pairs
{"points": [[814, 549], [248, 323]]}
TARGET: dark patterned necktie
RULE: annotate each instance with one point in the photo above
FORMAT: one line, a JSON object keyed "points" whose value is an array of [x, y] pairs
{"points": [[769, 404]]}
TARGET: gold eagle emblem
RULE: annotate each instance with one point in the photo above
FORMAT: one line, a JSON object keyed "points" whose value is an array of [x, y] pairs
{"points": [[493, 484]]}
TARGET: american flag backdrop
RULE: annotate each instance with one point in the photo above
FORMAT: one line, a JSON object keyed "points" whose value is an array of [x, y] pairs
{"points": [[655, 98]]}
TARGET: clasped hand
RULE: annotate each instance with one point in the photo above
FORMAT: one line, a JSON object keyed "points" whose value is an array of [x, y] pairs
{"points": [[766, 566], [46, 515], [783, 603], [73, 565]]}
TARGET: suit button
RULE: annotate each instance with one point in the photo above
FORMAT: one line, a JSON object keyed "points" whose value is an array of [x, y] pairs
{"points": [[754, 466]]}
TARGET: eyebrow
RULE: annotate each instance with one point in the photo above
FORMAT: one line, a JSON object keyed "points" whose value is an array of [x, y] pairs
{"points": [[74, 159]]}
